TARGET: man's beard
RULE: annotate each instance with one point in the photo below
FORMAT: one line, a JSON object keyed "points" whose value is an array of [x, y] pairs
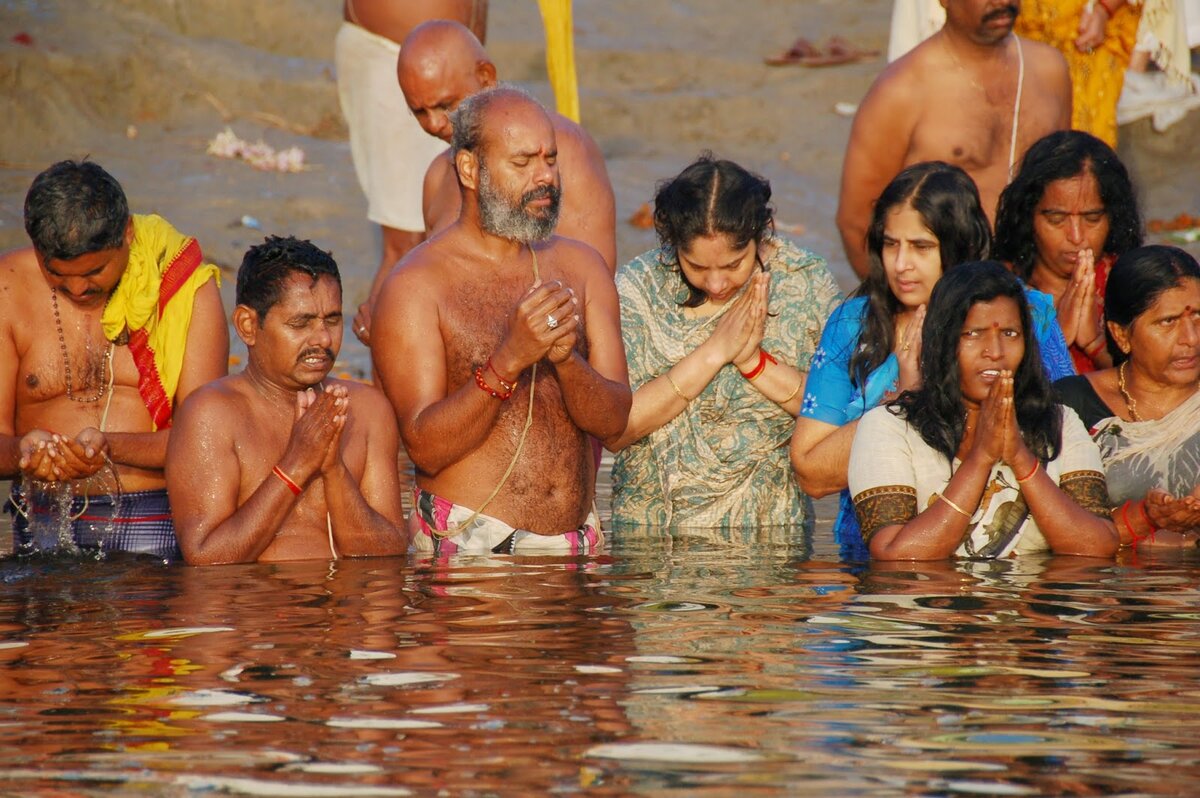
{"points": [[500, 217]]}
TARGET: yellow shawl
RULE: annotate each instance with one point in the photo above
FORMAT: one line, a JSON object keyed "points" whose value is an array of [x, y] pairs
{"points": [[153, 304]]}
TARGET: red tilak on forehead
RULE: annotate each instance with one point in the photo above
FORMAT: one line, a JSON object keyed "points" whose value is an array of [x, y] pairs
{"points": [[995, 325]]}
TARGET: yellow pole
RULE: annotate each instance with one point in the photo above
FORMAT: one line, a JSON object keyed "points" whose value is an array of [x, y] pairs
{"points": [[560, 55]]}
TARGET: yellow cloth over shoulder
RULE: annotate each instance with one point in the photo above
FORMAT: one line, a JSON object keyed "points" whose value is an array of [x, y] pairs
{"points": [[153, 303], [560, 56]]}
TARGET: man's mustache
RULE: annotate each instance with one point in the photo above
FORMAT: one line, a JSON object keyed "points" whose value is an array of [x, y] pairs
{"points": [[1011, 9], [545, 192], [316, 350]]}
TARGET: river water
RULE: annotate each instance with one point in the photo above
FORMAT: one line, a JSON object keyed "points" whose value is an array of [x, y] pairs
{"points": [[671, 664]]}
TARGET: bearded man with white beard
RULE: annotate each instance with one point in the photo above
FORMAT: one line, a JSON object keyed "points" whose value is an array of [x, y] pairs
{"points": [[499, 346]]}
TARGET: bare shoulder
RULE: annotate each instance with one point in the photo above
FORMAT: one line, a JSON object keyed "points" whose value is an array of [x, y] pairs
{"points": [[1043, 59], [439, 167], [367, 402], [574, 141], [213, 405], [576, 258], [418, 278], [17, 268], [901, 80]]}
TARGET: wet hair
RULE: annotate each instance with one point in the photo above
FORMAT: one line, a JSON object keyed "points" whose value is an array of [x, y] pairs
{"points": [[467, 120], [710, 197], [75, 208], [948, 203], [936, 409], [1137, 280], [267, 266], [1062, 155]]}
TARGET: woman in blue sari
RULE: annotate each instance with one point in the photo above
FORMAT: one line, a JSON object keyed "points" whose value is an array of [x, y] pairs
{"points": [[927, 220]]}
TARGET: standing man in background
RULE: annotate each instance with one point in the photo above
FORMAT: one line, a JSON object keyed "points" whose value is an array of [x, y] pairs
{"points": [[389, 149], [973, 95]]}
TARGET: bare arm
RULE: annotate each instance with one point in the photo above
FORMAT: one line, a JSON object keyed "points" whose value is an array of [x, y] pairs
{"points": [[206, 358], [820, 455], [936, 533], [879, 142], [656, 403], [1067, 527], [438, 428], [366, 515], [10, 444], [596, 390]]}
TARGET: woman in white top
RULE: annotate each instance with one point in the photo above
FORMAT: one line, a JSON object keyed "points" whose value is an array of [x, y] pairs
{"points": [[979, 461]]}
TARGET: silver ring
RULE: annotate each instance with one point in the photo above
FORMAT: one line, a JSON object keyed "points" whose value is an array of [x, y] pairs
{"points": [[551, 322], [362, 329]]}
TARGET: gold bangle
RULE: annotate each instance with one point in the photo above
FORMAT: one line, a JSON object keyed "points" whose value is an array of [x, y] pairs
{"points": [[954, 506], [792, 395], [675, 387]]}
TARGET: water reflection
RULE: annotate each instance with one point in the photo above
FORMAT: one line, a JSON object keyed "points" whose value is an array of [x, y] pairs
{"points": [[678, 662]]}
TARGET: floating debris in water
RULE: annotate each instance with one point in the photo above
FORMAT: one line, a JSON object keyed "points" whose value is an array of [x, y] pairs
{"points": [[382, 723], [681, 753], [405, 678]]}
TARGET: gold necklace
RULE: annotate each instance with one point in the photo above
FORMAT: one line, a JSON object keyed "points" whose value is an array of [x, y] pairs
{"points": [[1130, 402], [62, 344]]}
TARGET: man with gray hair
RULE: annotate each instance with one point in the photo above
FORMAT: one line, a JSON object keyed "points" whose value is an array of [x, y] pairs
{"points": [[499, 346]]}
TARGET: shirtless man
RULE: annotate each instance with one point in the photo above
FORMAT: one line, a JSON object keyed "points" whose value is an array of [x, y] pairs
{"points": [[953, 98], [492, 321], [440, 64], [388, 147], [279, 462], [88, 374]]}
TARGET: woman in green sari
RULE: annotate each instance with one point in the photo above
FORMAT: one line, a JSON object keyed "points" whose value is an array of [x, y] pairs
{"points": [[719, 324]]}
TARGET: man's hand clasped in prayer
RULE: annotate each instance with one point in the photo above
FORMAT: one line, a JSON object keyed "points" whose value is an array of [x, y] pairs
{"points": [[51, 457], [315, 446], [545, 324]]}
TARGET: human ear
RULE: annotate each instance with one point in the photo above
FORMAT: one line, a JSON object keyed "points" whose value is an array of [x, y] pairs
{"points": [[485, 73], [1120, 335], [467, 166], [245, 322]]}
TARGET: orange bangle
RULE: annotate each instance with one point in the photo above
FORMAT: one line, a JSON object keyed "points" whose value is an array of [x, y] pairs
{"points": [[291, 484], [1036, 465]]}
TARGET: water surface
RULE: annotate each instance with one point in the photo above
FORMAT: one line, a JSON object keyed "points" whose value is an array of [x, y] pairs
{"points": [[681, 664]]}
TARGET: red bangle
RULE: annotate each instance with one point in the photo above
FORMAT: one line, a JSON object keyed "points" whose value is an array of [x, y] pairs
{"points": [[1141, 505], [1095, 350], [291, 484], [489, 390], [763, 358], [1036, 465], [1107, 10], [1128, 527], [505, 385]]}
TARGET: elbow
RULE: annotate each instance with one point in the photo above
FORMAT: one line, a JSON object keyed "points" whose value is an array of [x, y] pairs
{"points": [[809, 478], [812, 485], [610, 426]]}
